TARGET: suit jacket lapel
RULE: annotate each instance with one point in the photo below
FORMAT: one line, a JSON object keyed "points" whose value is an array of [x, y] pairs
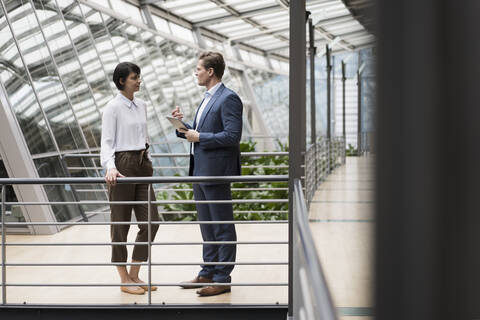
{"points": [[210, 105]]}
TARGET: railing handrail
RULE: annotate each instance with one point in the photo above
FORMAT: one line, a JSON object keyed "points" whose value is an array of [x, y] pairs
{"points": [[171, 155], [164, 179], [318, 284]]}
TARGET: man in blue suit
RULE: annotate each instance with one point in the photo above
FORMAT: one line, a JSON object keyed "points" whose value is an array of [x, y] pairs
{"points": [[215, 151]]}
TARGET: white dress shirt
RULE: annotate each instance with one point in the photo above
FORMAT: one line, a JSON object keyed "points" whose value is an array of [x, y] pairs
{"points": [[124, 128], [208, 95]]}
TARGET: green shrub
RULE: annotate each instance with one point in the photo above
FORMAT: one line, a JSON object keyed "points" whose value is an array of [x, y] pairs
{"points": [[245, 146], [351, 151]]}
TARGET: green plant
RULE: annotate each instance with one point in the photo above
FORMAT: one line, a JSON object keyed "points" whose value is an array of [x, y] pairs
{"points": [[179, 195], [351, 151], [243, 211]]}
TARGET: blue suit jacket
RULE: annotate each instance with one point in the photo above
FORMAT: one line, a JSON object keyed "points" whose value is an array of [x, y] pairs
{"points": [[220, 128]]}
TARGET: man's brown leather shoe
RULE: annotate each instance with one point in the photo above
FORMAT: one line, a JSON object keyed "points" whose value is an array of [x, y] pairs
{"points": [[193, 284], [213, 290]]}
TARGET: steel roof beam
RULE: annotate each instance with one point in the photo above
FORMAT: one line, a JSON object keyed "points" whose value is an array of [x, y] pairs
{"points": [[234, 16], [247, 20], [258, 34], [339, 19], [345, 45]]}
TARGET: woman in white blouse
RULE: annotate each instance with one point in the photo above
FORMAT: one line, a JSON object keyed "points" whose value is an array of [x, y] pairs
{"points": [[124, 154]]}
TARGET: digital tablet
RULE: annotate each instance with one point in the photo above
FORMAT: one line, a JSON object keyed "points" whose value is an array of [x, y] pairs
{"points": [[178, 124]]}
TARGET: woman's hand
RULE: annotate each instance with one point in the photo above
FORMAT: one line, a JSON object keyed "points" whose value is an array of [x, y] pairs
{"points": [[111, 176]]}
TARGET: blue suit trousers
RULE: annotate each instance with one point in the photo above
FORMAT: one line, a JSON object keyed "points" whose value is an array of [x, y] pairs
{"points": [[216, 232]]}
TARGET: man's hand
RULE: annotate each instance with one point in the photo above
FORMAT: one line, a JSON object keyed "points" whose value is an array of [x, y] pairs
{"points": [[177, 114], [111, 176], [192, 135]]}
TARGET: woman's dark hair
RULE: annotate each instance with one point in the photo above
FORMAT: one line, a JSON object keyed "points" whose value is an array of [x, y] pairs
{"points": [[122, 71], [215, 61]]}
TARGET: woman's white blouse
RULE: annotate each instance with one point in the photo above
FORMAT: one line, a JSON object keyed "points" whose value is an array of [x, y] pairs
{"points": [[124, 128]]}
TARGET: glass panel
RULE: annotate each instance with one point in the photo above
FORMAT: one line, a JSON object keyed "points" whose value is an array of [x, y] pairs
{"points": [[151, 90], [104, 49], [86, 167], [181, 32], [213, 44], [189, 93], [14, 213], [205, 7], [153, 72], [115, 32], [257, 58], [45, 79], [167, 70], [233, 80], [70, 70], [271, 93], [19, 92], [161, 24], [181, 61], [51, 167], [201, 15], [123, 7], [102, 3]]}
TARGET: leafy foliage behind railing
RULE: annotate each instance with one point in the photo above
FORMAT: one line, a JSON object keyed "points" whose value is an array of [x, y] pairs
{"points": [[259, 163], [351, 151]]}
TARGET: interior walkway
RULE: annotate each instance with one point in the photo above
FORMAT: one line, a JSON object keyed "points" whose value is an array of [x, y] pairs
{"points": [[160, 274], [341, 219], [342, 224]]}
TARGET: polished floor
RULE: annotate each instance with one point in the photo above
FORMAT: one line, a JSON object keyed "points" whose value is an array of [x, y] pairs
{"points": [[342, 224], [160, 274]]}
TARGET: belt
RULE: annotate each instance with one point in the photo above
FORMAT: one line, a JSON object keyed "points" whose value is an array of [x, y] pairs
{"points": [[141, 153]]}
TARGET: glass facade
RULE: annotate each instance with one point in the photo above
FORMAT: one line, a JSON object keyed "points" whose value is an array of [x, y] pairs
{"points": [[353, 60], [272, 98], [56, 65]]}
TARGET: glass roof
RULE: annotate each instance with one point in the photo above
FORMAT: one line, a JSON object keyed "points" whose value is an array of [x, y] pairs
{"points": [[263, 24]]}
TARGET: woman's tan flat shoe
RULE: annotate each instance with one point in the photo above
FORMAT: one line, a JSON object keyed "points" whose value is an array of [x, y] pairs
{"points": [[133, 290], [146, 288]]}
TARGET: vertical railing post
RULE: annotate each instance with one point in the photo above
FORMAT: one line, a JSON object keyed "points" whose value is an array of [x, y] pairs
{"points": [[329, 104], [149, 214], [313, 128], [344, 132], [4, 255], [297, 101], [318, 149], [359, 114]]}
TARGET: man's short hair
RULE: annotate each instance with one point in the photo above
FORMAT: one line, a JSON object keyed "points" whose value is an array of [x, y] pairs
{"points": [[215, 61], [122, 71]]}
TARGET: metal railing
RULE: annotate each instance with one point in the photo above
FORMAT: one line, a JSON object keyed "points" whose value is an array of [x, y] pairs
{"points": [[312, 297], [320, 160], [177, 155], [149, 263], [90, 191]]}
